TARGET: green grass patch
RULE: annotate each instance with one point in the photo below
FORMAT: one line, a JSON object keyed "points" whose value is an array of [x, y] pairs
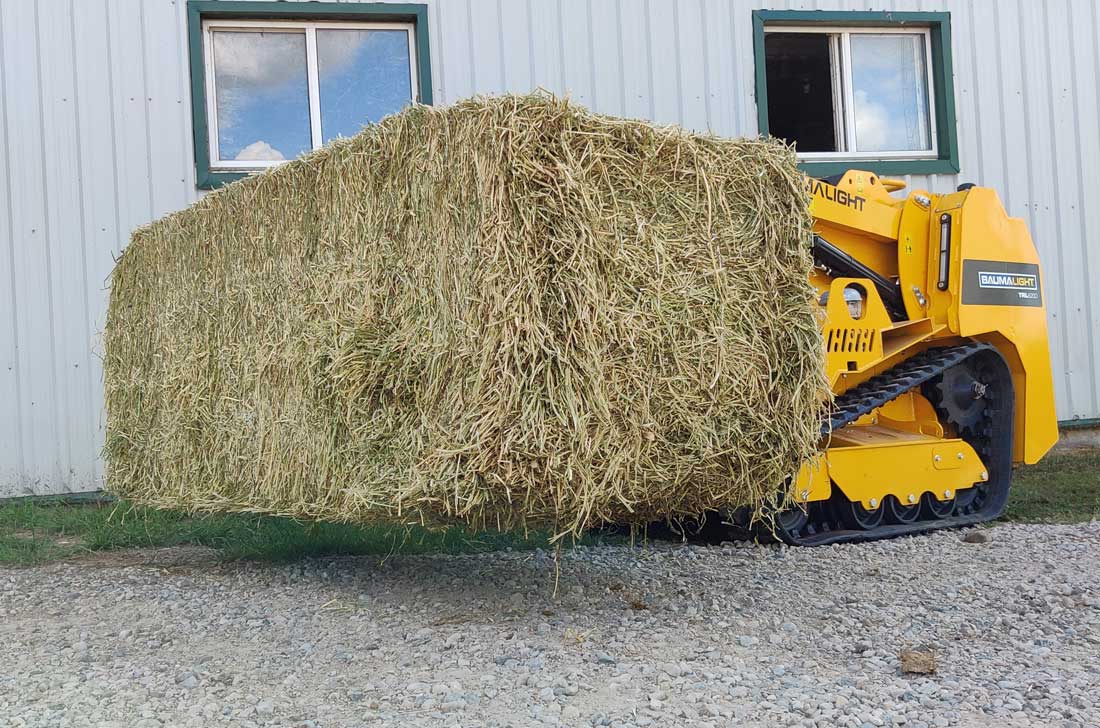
{"points": [[33, 532], [1062, 488]]}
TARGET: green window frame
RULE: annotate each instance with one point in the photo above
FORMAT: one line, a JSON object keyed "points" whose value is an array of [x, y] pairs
{"points": [[942, 92], [199, 10]]}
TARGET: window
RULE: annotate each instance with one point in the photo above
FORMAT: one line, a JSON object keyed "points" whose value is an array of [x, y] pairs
{"points": [[860, 89], [275, 90], [270, 82], [860, 92]]}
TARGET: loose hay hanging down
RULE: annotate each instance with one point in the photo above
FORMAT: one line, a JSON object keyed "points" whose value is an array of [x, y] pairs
{"points": [[506, 313]]}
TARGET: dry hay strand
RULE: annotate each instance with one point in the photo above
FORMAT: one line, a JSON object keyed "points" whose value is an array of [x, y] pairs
{"points": [[917, 662], [506, 313]]}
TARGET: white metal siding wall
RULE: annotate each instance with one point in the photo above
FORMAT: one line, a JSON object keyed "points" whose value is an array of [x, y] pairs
{"points": [[95, 118]]}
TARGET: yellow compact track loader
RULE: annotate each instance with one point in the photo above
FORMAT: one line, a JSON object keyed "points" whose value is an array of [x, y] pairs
{"points": [[936, 346]]}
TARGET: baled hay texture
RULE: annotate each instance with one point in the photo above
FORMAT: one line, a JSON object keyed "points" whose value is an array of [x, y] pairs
{"points": [[510, 312]]}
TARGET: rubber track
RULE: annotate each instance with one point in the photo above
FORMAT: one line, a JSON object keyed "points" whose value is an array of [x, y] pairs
{"points": [[994, 448], [891, 384]]}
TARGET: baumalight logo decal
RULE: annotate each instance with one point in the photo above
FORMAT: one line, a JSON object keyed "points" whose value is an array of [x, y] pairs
{"points": [[835, 194], [1001, 283], [1024, 283]]}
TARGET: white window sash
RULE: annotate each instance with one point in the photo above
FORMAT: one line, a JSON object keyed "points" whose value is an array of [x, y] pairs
{"points": [[313, 79], [314, 85], [849, 93], [842, 80], [840, 131]]}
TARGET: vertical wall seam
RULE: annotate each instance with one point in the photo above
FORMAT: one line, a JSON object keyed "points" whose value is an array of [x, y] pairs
{"points": [[500, 47], [531, 45], [1000, 117], [561, 48], [679, 76], [51, 308], [470, 45], [148, 121], [1049, 53], [979, 153], [1079, 137], [707, 111], [1031, 205], [738, 90], [622, 54], [183, 107], [649, 60], [592, 58], [114, 130], [14, 299], [439, 69], [89, 307], [1094, 28]]}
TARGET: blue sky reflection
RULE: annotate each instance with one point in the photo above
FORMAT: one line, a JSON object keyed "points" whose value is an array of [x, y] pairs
{"points": [[363, 76], [891, 97], [262, 95]]}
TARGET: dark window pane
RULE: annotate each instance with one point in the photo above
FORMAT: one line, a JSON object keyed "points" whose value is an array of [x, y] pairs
{"points": [[800, 90], [363, 75], [262, 95]]}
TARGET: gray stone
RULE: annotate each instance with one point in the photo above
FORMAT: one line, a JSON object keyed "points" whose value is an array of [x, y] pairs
{"points": [[750, 635], [188, 680], [671, 669]]}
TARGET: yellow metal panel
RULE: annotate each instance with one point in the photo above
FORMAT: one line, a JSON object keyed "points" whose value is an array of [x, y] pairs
{"points": [[1018, 331], [905, 466], [812, 482], [858, 203], [853, 344], [911, 412], [913, 254]]}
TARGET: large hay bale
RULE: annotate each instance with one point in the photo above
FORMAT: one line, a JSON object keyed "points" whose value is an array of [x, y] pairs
{"points": [[504, 313]]}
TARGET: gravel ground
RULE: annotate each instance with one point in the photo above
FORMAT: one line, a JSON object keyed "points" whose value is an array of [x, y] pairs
{"points": [[659, 636]]}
